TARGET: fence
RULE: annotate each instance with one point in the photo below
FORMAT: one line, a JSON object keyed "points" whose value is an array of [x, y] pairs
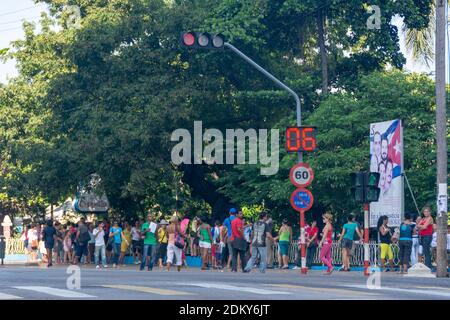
{"points": [[16, 246], [357, 258]]}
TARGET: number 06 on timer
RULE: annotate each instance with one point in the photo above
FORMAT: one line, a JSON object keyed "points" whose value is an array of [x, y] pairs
{"points": [[301, 139]]}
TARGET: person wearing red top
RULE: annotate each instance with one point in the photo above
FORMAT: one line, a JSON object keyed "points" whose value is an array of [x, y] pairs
{"points": [[238, 242], [426, 234], [326, 242], [311, 234]]}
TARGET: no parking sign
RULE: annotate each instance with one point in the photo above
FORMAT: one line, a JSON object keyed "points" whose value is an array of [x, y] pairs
{"points": [[302, 199]]}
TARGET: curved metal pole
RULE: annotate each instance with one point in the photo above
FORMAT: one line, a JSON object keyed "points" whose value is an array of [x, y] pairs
{"points": [[278, 82]]}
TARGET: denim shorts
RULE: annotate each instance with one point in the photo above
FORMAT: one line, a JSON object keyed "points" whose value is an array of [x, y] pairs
{"points": [[284, 247]]}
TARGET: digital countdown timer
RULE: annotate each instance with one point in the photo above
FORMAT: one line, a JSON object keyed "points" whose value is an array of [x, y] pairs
{"points": [[301, 139]]}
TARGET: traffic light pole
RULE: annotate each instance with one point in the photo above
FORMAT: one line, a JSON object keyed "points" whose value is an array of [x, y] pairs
{"points": [[277, 82], [366, 239], [441, 141], [299, 123]]}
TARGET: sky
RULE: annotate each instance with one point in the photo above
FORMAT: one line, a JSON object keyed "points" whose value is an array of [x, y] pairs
{"points": [[13, 12]]}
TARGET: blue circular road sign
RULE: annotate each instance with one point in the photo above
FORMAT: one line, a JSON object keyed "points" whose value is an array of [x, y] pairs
{"points": [[302, 199]]}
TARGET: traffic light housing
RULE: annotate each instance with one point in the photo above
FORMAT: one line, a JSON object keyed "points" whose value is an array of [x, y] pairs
{"points": [[358, 188], [371, 190], [365, 187], [202, 40]]}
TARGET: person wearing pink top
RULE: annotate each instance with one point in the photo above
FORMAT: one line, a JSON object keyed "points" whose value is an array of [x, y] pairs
{"points": [[326, 242]]}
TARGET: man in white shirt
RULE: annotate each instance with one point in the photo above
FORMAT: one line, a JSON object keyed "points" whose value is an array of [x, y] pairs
{"points": [[99, 235]]}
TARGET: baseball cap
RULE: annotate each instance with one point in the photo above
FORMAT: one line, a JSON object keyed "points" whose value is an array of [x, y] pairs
{"points": [[233, 210]]}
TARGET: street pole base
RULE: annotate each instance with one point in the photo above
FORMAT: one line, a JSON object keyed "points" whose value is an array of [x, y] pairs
{"points": [[366, 268]]}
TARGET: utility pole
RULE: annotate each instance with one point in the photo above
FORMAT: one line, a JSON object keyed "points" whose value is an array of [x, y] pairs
{"points": [[441, 140]]}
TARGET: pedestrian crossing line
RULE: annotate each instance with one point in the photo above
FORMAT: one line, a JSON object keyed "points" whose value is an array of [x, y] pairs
{"points": [[5, 296], [435, 288], [163, 292], [422, 292], [234, 288], [56, 292], [323, 290]]}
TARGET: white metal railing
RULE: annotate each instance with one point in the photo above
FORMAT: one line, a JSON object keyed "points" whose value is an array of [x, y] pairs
{"points": [[357, 258], [16, 246]]}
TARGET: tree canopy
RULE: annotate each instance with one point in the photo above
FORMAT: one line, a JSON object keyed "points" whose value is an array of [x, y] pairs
{"points": [[104, 98]]}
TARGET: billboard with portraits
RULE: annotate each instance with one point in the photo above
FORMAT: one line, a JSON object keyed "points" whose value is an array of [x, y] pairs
{"points": [[386, 158]]}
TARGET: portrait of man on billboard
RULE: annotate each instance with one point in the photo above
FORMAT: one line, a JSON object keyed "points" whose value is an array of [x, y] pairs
{"points": [[386, 159]]}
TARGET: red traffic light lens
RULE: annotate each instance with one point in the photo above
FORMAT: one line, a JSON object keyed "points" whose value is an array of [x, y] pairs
{"points": [[188, 39]]}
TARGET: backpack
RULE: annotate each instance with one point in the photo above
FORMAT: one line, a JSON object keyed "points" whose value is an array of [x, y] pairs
{"points": [[179, 241], [84, 236]]}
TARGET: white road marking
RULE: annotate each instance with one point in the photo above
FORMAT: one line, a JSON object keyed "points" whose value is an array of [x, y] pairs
{"points": [[233, 288], [335, 291], [5, 296], [164, 292], [422, 292], [56, 292]]}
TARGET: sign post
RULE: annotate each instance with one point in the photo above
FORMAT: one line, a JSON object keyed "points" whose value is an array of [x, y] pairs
{"points": [[302, 200], [366, 239], [303, 242]]}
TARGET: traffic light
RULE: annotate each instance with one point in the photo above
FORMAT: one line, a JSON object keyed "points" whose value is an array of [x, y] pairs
{"points": [[365, 187], [202, 40], [372, 192], [358, 188]]}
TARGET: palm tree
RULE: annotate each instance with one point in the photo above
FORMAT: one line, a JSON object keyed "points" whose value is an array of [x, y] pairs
{"points": [[420, 42]]}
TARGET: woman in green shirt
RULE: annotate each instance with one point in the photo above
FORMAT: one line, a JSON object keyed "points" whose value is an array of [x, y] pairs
{"points": [[284, 239], [205, 240]]}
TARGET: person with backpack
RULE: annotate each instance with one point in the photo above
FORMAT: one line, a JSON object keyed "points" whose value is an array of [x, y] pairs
{"points": [[175, 244], [261, 231], [81, 239], [405, 243], [216, 240]]}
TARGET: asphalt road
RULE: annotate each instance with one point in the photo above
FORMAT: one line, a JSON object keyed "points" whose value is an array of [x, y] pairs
{"points": [[127, 283]]}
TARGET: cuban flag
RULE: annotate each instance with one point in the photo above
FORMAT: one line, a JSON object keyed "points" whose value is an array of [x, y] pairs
{"points": [[394, 147]]}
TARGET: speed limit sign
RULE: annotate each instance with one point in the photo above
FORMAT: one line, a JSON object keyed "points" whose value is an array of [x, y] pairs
{"points": [[301, 175]]}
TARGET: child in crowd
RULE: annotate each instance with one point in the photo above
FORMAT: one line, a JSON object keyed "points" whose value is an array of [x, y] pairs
{"points": [[67, 244]]}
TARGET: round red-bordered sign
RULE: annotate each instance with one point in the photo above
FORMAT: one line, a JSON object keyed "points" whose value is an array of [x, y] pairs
{"points": [[301, 175], [302, 199]]}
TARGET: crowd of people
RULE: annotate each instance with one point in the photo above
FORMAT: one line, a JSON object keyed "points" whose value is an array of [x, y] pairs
{"points": [[234, 243]]}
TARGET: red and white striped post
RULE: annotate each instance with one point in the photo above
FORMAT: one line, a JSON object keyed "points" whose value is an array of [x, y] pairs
{"points": [[303, 242], [366, 239]]}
